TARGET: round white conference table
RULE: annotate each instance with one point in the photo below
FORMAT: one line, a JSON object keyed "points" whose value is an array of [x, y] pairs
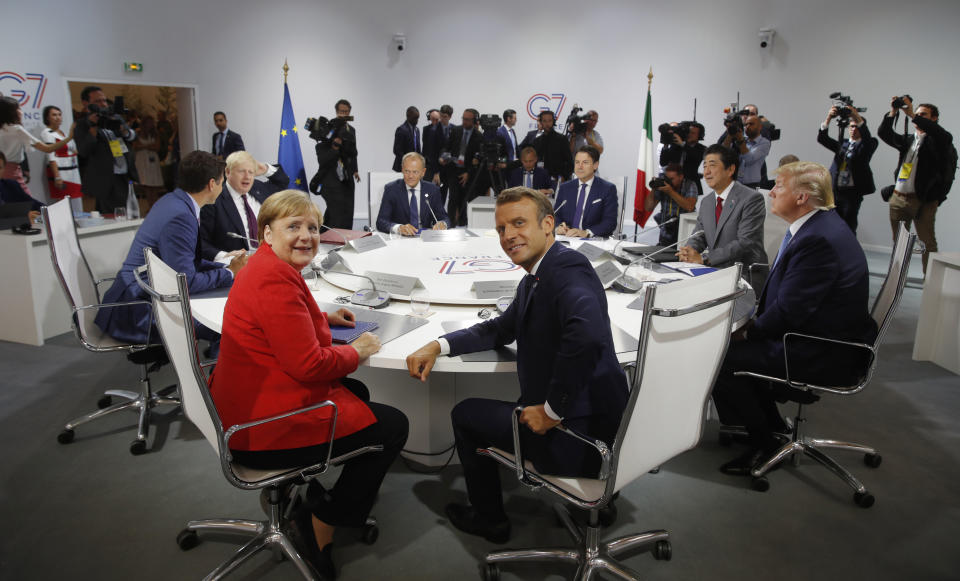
{"points": [[449, 271]]}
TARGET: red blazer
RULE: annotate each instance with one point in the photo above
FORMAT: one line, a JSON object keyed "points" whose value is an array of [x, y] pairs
{"points": [[276, 356]]}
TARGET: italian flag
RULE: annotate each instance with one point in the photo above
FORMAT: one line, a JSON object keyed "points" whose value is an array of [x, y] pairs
{"points": [[645, 167]]}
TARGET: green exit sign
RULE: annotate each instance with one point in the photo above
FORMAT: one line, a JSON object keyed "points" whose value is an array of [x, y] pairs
{"points": [[133, 67]]}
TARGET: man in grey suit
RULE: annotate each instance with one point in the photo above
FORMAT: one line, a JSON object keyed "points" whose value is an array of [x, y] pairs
{"points": [[730, 219]]}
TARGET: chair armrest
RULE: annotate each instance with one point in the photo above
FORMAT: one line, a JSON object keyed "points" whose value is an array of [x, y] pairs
{"points": [[808, 386], [599, 445]]}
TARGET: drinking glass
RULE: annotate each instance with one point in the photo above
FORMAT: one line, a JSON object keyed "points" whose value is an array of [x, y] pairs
{"points": [[120, 213], [420, 302]]}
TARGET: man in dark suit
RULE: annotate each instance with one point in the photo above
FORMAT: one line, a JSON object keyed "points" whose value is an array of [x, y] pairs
{"points": [[406, 138], [529, 175], [411, 204], [172, 230], [350, 169], [509, 135], [730, 220], [818, 285], [925, 170], [552, 148], [459, 160], [587, 206], [566, 364], [236, 208], [224, 141], [103, 152], [850, 171], [432, 144]]}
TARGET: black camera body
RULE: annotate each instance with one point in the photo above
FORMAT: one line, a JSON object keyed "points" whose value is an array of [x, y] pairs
{"points": [[734, 122], [842, 102], [323, 129], [900, 101], [577, 120], [491, 152], [109, 117], [657, 183], [682, 129]]}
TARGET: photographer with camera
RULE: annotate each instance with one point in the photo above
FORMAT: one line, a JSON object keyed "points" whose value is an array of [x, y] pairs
{"points": [[103, 150], [552, 148], [335, 148], [676, 195], [850, 172], [926, 169], [681, 145], [743, 136], [583, 130]]}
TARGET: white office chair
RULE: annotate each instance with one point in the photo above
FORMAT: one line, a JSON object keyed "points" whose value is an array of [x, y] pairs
{"points": [[883, 310], [83, 296], [171, 303], [689, 321]]}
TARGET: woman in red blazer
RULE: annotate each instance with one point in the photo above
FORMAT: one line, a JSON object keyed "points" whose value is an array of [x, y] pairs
{"points": [[276, 355]]}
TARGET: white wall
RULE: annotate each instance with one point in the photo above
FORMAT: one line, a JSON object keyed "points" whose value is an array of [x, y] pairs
{"points": [[498, 53]]}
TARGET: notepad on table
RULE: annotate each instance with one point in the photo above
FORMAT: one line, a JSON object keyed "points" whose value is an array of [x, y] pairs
{"points": [[343, 334]]}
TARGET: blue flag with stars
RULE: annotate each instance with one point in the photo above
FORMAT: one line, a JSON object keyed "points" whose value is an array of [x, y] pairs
{"points": [[289, 155]]}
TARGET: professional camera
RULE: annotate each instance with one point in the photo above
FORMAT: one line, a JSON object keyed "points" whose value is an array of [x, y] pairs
{"points": [[577, 120], [109, 117], [491, 151], [842, 102], [734, 121], [682, 129], [323, 129], [657, 183], [900, 101]]}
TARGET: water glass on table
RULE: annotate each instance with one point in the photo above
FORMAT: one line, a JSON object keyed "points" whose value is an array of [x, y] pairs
{"points": [[420, 302], [120, 213]]}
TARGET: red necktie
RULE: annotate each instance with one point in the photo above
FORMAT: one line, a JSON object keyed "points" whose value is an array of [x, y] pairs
{"points": [[719, 208]]}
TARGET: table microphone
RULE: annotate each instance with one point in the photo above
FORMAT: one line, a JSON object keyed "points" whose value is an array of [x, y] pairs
{"points": [[557, 209], [244, 238], [629, 284], [367, 298], [642, 230], [697, 233], [337, 233], [427, 196]]}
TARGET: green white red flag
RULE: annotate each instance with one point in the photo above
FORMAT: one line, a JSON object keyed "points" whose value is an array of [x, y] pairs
{"points": [[646, 169]]}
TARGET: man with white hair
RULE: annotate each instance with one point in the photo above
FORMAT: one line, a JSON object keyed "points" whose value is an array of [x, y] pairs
{"points": [[247, 184], [818, 285]]}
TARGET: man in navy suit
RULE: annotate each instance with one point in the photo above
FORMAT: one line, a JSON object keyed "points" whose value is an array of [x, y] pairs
{"points": [[850, 171], [172, 230], [509, 135], [566, 363], [224, 141], [529, 175], [432, 144], [411, 204], [236, 208], [406, 138], [589, 203], [459, 160], [818, 285]]}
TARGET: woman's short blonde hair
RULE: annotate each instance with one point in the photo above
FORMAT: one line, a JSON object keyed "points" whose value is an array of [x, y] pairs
{"points": [[284, 204]]}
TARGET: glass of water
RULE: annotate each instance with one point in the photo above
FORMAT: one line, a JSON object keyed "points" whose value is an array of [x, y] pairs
{"points": [[120, 213], [420, 302]]}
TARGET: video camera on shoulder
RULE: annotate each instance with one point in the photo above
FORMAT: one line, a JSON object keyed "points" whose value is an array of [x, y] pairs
{"points": [[491, 151], [682, 129], [577, 120], [109, 117], [324, 130], [842, 102]]}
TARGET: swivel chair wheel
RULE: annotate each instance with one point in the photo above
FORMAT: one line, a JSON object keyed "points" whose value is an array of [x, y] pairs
{"points": [[104, 402], [490, 572], [863, 499], [187, 539], [760, 484], [662, 551], [65, 437], [872, 460], [138, 447], [370, 534]]}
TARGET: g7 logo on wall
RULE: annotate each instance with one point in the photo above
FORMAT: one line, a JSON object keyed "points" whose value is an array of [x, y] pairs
{"points": [[27, 89], [543, 102]]}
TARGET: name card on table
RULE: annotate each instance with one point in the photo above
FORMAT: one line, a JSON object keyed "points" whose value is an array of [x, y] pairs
{"points": [[395, 284], [454, 235], [367, 243], [494, 289], [607, 272], [591, 251]]}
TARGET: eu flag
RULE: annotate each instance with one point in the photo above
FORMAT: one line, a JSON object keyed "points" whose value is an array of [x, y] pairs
{"points": [[289, 156]]}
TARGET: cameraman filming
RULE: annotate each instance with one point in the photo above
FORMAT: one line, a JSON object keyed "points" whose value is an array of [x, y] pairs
{"points": [[745, 138], [850, 172], [681, 145], [925, 169], [585, 133], [103, 150], [677, 195], [335, 149]]}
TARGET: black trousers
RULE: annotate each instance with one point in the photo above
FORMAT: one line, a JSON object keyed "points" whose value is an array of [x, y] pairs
{"points": [[339, 199], [480, 423], [848, 207], [114, 195], [349, 502]]}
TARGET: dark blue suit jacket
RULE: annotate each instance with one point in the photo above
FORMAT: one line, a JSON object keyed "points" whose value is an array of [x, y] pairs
{"points": [[172, 231], [600, 210], [403, 143], [395, 206], [541, 179], [231, 142], [565, 352], [820, 286], [858, 162], [11, 192], [220, 217], [512, 153]]}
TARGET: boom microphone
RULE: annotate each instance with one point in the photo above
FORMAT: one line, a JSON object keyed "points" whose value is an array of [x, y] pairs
{"points": [[244, 238]]}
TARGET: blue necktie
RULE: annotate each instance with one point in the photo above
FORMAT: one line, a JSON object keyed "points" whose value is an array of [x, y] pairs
{"points": [[416, 140], [528, 179], [581, 200], [414, 210], [783, 246]]}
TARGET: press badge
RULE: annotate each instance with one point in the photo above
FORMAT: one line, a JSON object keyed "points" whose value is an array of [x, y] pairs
{"points": [[905, 170], [117, 147]]}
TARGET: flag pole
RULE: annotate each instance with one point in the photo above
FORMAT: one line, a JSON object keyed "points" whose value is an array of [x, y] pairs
{"points": [[286, 69]]}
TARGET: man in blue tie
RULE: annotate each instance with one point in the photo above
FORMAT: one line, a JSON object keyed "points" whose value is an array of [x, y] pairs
{"points": [[566, 366], [529, 175], [411, 204], [407, 137], [587, 205], [818, 285], [508, 134]]}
